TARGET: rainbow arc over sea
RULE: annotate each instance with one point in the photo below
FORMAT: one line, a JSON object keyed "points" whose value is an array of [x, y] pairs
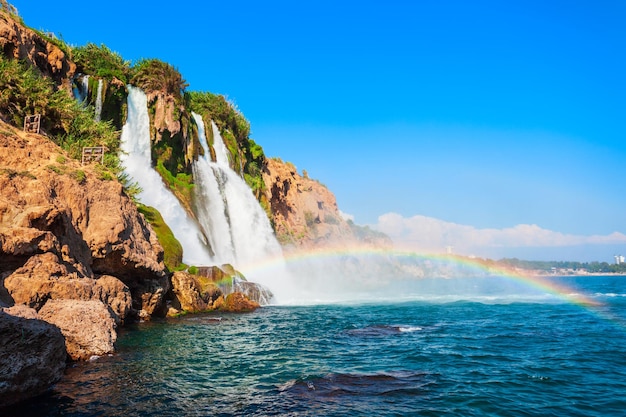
{"points": [[543, 283]]}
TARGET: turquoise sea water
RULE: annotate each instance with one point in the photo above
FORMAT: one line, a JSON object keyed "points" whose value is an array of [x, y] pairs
{"points": [[490, 353]]}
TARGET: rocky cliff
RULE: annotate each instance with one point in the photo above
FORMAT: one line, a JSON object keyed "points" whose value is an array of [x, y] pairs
{"points": [[305, 214], [19, 42], [63, 230]]}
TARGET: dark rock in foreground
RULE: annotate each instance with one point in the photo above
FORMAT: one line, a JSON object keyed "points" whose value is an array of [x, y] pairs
{"points": [[32, 357]]}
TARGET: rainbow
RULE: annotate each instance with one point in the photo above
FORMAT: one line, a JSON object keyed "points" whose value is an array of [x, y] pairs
{"points": [[538, 282]]}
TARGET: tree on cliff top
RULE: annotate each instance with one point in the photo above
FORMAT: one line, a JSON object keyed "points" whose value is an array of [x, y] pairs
{"points": [[155, 75], [101, 62]]}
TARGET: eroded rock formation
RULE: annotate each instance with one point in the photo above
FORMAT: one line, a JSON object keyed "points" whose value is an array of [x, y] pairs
{"points": [[305, 212], [66, 234], [193, 293], [16, 41]]}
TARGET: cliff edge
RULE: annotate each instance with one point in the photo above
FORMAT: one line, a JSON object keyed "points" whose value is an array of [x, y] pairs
{"points": [[305, 214]]}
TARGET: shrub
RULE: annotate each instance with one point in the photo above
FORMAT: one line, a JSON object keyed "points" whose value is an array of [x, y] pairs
{"points": [[79, 176], [156, 75], [101, 62]]}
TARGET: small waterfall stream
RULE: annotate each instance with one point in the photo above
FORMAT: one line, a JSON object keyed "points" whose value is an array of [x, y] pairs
{"points": [[98, 112], [81, 88]]}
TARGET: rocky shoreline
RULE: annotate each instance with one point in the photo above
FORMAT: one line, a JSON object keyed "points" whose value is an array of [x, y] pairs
{"points": [[77, 260]]}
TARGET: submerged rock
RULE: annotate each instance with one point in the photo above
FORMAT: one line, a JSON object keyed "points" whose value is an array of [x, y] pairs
{"points": [[88, 326], [32, 357]]}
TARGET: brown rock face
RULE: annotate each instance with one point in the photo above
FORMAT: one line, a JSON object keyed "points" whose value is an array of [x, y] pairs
{"points": [[237, 303], [32, 358], [22, 43], [59, 234], [306, 213], [88, 326], [23, 311], [190, 293]]}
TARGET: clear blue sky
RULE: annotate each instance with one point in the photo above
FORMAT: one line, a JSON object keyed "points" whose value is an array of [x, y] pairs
{"points": [[483, 113]]}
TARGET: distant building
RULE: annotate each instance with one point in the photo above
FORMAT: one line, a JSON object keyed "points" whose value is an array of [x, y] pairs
{"points": [[619, 259]]}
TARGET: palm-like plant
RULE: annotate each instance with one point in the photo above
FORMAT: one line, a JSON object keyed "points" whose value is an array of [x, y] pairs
{"points": [[153, 75]]}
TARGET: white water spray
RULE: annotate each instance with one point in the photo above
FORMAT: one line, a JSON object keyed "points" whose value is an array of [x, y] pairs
{"points": [[137, 162], [98, 112]]}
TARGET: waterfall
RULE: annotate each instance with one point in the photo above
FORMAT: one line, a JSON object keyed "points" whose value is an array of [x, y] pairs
{"points": [[98, 112], [211, 202], [231, 217], [81, 89], [221, 153], [231, 212], [137, 161]]}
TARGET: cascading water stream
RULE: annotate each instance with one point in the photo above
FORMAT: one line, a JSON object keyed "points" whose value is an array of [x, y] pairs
{"points": [[211, 203], [81, 89], [98, 111], [137, 162], [231, 217]]}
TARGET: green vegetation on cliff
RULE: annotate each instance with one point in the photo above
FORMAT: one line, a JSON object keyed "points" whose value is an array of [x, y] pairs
{"points": [[101, 62], [173, 250], [156, 75], [107, 67], [63, 119]]}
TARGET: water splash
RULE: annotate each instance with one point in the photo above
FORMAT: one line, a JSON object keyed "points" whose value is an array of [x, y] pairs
{"points": [[137, 161]]}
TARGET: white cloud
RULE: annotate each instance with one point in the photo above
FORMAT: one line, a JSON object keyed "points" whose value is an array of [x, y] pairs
{"points": [[428, 234]]}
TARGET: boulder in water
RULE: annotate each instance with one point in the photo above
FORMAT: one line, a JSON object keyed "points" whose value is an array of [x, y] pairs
{"points": [[88, 326], [193, 293], [236, 303]]}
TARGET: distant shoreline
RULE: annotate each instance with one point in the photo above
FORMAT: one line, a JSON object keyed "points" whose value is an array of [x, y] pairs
{"points": [[572, 274]]}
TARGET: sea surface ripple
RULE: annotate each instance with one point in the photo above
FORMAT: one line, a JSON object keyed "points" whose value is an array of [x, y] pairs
{"points": [[461, 358]]}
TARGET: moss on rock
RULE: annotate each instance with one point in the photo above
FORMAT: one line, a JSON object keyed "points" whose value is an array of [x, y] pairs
{"points": [[173, 250]]}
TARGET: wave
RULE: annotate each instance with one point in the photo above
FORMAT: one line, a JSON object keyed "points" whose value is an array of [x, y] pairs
{"points": [[383, 330], [342, 384]]}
